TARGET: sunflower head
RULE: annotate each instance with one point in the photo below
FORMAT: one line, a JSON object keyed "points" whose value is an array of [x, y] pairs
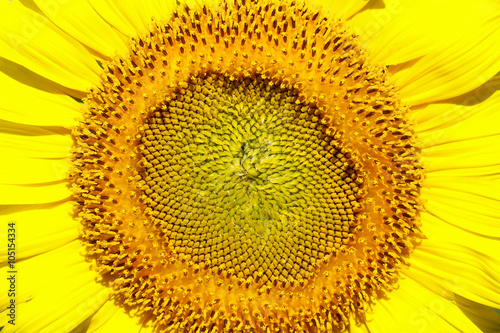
{"points": [[246, 167]]}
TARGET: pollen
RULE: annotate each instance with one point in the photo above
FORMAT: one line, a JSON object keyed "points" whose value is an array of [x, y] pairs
{"points": [[245, 168]]}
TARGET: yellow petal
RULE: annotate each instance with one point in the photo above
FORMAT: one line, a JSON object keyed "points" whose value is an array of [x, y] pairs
{"points": [[435, 227], [46, 146], [422, 26], [462, 229], [29, 78], [61, 297], [470, 185], [381, 320], [489, 173], [31, 40], [414, 308], [116, 314], [132, 17], [461, 138], [25, 195], [471, 116], [438, 115], [22, 103], [342, 8], [69, 262], [468, 211], [110, 11], [483, 316], [474, 199], [459, 64], [90, 28], [150, 9], [375, 16], [74, 305], [458, 269], [8, 127], [474, 153], [40, 230], [102, 315], [121, 321], [21, 170]]}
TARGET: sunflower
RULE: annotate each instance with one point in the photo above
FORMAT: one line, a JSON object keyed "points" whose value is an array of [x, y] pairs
{"points": [[250, 166]]}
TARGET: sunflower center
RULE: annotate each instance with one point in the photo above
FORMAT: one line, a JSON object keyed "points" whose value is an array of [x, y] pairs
{"points": [[245, 168], [242, 178]]}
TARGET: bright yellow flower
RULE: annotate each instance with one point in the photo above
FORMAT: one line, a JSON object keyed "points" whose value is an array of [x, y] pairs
{"points": [[250, 166]]}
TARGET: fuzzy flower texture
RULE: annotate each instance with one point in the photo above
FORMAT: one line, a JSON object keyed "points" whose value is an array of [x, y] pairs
{"points": [[250, 166]]}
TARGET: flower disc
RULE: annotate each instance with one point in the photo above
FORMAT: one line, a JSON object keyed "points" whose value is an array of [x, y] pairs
{"points": [[245, 168], [243, 179]]}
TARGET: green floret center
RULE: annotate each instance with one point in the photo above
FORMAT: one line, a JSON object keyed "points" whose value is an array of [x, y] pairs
{"points": [[244, 178]]}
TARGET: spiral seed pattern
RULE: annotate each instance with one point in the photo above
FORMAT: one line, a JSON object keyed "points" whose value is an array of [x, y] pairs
{"points": [[245, 180]]}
